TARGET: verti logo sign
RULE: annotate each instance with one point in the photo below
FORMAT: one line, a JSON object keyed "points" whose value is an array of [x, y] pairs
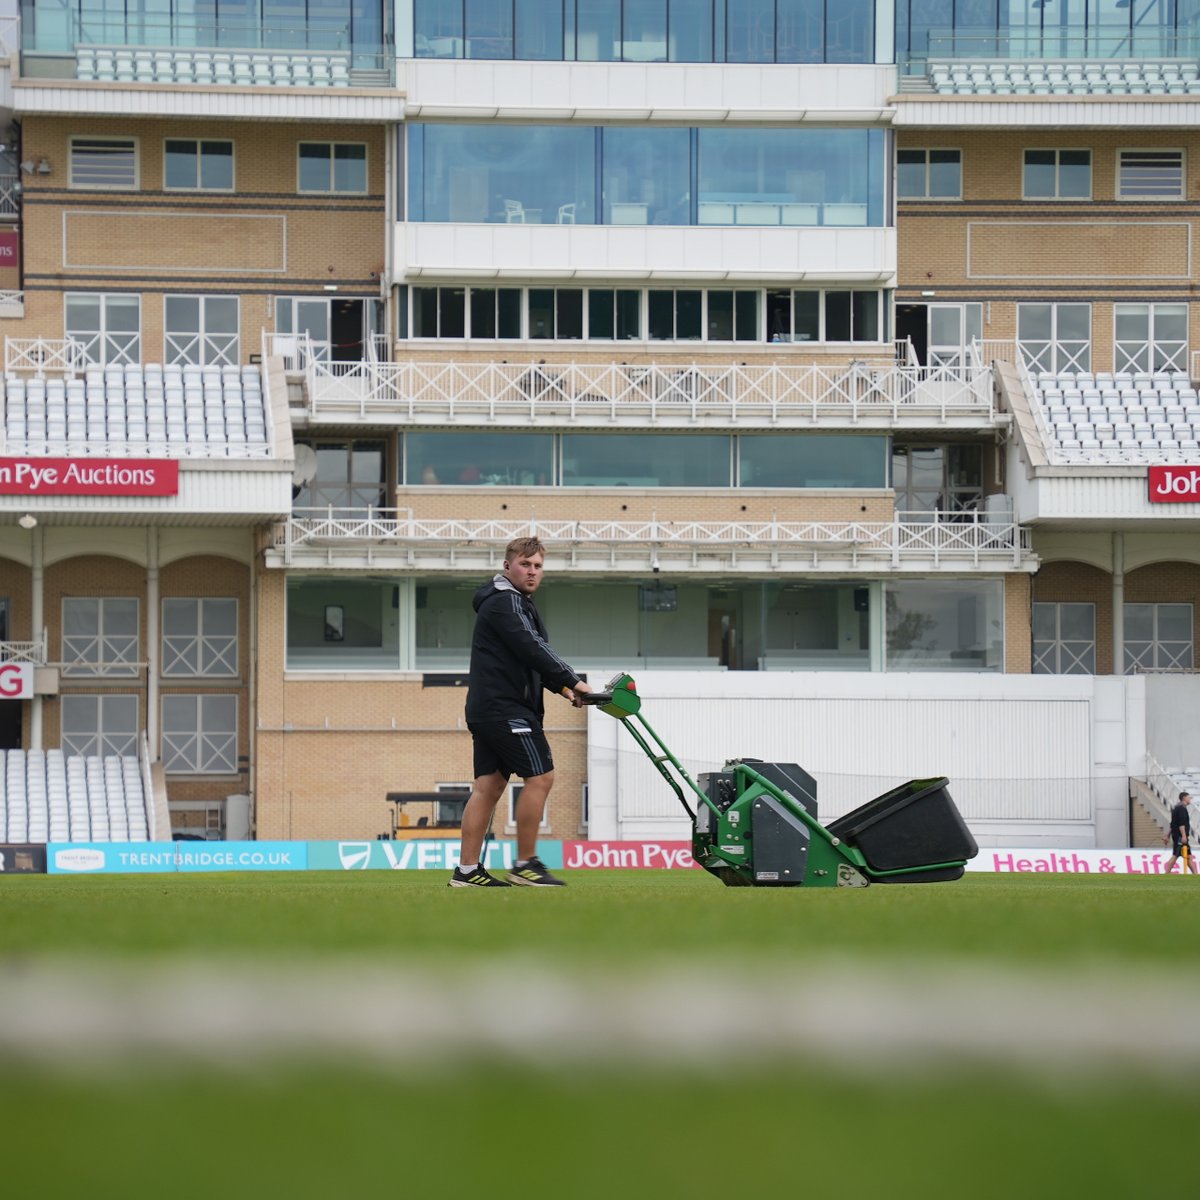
{"points": [[16, 681], [1174, 485], [89, 477]]}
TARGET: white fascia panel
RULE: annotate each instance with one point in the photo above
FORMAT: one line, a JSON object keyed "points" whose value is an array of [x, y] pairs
{"points": [[690, 93], [1002, 112], [449, 252]]}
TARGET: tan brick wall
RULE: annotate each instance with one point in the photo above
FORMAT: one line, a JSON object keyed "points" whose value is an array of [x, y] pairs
{"points": [[164, 236], [1130, 260], [1018, 634]]}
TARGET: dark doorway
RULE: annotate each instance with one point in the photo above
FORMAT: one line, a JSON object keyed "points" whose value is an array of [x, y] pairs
{"points": [[346, 331], [10, 724], [912, 322]]}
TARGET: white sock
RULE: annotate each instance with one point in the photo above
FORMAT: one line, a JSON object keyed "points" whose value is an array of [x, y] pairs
{"points": [[467, 868], [521, 862]]}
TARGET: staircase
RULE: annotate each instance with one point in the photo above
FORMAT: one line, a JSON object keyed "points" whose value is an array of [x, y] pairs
{"points": [[1147, 819]]}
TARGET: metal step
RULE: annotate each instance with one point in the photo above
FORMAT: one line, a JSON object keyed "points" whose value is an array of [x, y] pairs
{"points": [[915, 85]]}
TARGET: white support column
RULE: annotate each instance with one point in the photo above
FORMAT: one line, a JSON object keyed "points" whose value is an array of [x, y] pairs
{"points": [[37, 607], [1118, 603], [153, 642]]}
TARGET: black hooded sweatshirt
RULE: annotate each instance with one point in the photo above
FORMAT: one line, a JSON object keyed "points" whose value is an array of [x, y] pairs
{"points": [[511, 658]]}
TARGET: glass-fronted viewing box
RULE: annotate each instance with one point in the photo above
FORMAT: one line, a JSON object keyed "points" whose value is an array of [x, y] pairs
{"points": [[606, 314], [617, 175], [341, 623], [642, 31]]}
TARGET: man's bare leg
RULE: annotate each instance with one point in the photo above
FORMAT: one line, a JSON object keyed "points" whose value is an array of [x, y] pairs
{"points": [[530, 808], [478, 812]]}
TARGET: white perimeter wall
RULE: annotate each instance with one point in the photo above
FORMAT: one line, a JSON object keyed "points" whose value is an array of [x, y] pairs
{"points": [[1173, 720], [1032, 760]]}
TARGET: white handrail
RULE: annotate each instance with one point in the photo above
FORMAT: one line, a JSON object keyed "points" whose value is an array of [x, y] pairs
{"points": [[42, 355], [147, 787]]}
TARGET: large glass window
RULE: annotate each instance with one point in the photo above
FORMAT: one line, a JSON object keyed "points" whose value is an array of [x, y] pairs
{"points": [[645, 460], [944, 625], [790, 177], [812, 461], [1150, 337], [343, 624], [526, 175], [544, 174], [477, 459], [108, 327], [99, 725], [647, 30], [825, 316], [100, 635], [201, 330], [199, 735], [1158, 637], [1064, 639], [350, 476], [816, 626], [933, 479], [200, 636], [646, 178]]}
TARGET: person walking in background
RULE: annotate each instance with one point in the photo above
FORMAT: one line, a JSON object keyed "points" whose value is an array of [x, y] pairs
{"points": [[511, 662], [1181, 834]]}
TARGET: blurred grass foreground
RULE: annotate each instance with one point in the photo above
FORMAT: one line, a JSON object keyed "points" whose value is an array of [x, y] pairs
{"points": [[650, 1033]]}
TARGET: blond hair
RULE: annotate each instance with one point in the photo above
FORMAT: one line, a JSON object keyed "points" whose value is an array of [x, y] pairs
{"points": [[525, 547]]}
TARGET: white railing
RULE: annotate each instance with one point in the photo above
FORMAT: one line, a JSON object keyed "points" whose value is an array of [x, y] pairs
{"points": [[147, 787], [25, 652], [10, 36], [986, 351], [12, 303], [43, 356], [294, 348], [906, 356], [965, 538], [412, 392], [103, 446], [1162, 787], [10, 196]]}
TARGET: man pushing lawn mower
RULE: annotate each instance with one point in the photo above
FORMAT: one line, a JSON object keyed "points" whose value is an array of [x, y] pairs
{"points": [[511, 662]]}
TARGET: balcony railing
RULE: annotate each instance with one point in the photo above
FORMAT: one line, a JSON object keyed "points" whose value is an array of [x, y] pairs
{"points": [[10, 197], [25, 652], [932, 539], [43, 356], [408, 393], [1110, 41]]}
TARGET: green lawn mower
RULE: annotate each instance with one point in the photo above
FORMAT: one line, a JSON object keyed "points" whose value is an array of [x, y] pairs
{"points": [[755, 823]]}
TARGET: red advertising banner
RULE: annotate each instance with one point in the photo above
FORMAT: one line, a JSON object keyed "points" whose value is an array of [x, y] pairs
{"points": [[10, 249], [16, 681], [89, 477], [1174, 485], [647, 854]]}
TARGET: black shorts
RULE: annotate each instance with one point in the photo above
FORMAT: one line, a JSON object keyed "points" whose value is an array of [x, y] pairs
{"points": [[512, 746], [1177, 848]]}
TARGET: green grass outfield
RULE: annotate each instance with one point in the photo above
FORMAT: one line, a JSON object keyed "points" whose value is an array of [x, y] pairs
{"points": [[488, 1126]]}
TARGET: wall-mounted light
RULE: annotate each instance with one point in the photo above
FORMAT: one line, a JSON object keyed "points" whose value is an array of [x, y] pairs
{"points": [[43, 166], [331, 287], [28, 166], [929, 293], [28, 521]]}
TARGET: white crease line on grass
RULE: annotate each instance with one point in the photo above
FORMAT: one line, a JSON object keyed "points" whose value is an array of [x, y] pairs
{"points": [[851, 1014]]}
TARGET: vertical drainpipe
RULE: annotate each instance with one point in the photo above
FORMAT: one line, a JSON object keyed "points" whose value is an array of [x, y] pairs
{"points": [[252, 690], [152, 642], [37, 607], [1118, 602]]}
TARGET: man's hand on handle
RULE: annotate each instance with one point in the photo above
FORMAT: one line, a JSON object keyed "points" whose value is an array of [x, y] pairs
{"points": [[575, 694]]}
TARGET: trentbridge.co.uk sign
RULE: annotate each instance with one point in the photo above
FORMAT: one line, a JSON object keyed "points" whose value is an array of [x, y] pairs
{"points": [[89, 477]]}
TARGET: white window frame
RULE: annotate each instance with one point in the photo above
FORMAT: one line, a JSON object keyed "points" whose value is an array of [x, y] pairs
{"points": [[215, 349], [511, 796], [1156, 197], [1052, 355], [200, 750], [927, 151], [117, 653], [199, 143], [193, 649], [132, 142], [1160, 653], [331, 190], [1173, 353], [100, 342], [110, 736], [1074, 652], [1058, 152]]}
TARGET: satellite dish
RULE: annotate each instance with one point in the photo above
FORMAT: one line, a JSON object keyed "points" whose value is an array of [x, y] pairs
{"points": [[305, 470]]}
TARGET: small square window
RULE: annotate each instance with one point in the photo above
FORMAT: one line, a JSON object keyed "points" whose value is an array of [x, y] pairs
{"points": [[929, 174], [1057, 175], [333, 167], [190, 165], [1150, 175], [104, 164]]}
